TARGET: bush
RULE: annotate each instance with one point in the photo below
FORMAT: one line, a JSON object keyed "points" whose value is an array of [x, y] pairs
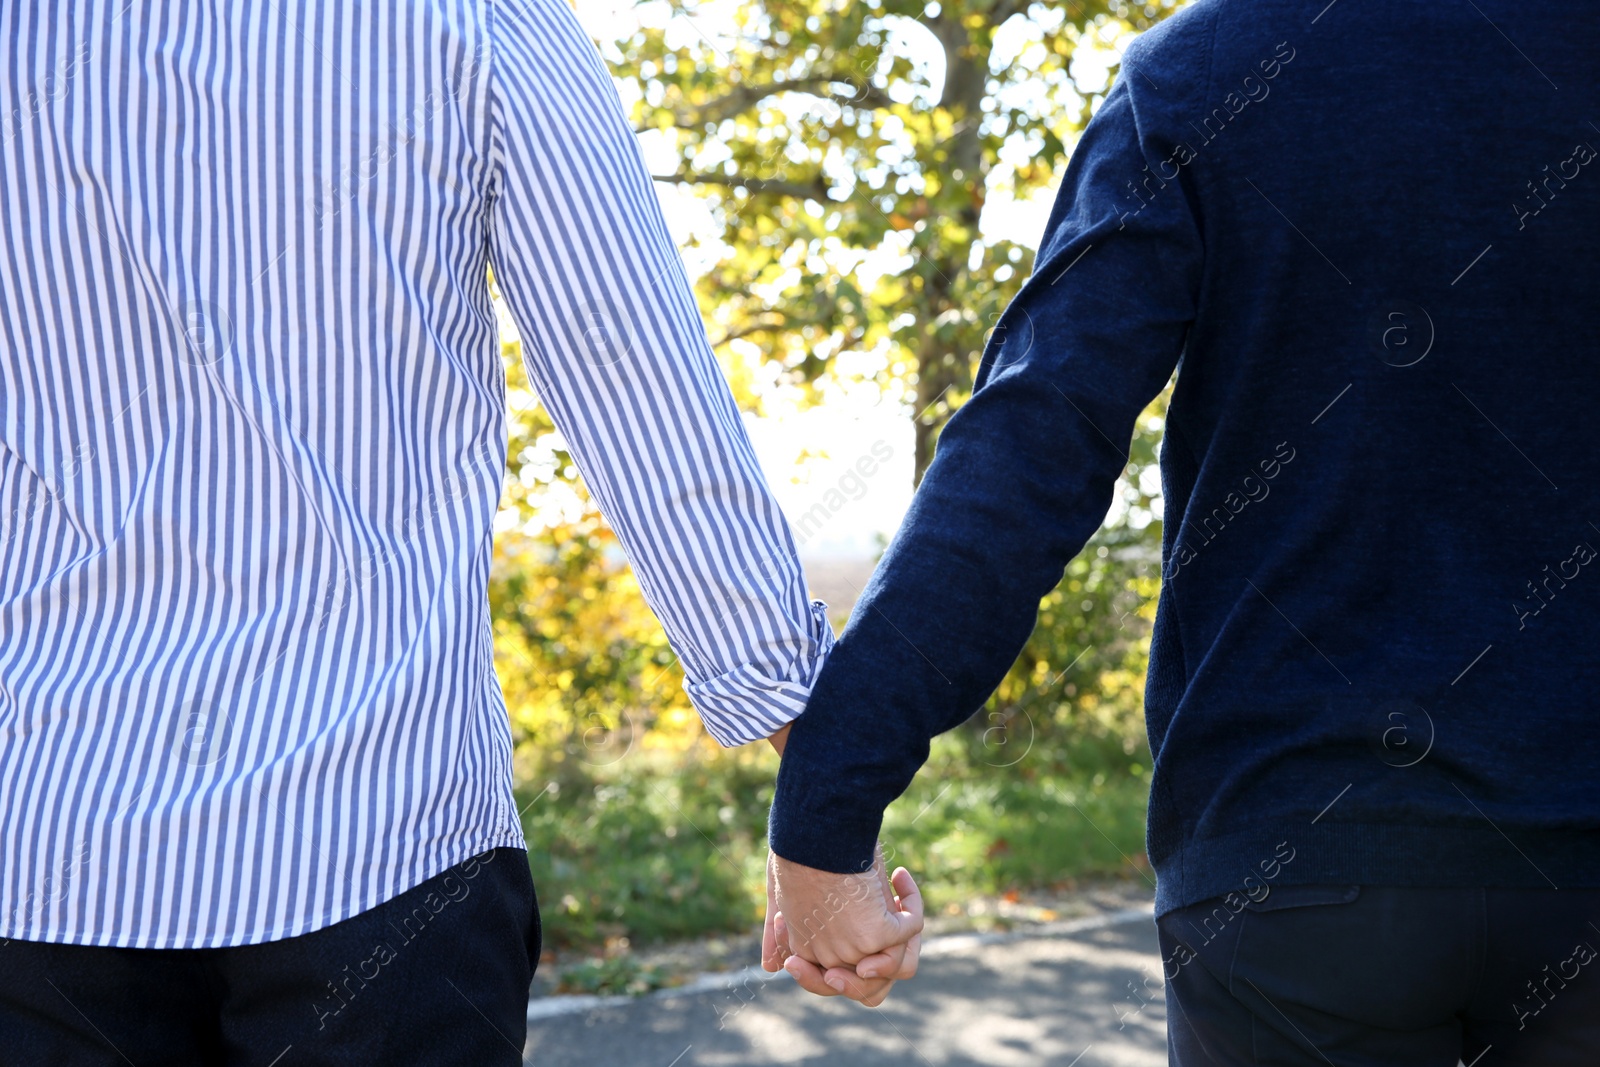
{"points": [[661, 847]]}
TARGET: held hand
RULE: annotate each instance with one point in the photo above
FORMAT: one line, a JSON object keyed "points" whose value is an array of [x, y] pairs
{"points": [[850, 934]]}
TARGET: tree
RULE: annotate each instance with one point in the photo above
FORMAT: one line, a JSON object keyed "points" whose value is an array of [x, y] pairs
{"points": [[849, 149]]}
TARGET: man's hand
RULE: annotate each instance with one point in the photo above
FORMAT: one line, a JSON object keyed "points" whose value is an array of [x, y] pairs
{"points": [[851, 934]]}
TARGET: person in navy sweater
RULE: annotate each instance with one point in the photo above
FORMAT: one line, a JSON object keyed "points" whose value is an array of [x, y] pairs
{"points": [[1366, 239]]}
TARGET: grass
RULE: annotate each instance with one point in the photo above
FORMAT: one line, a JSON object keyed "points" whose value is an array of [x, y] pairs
{"points": [[989, 835], [612, 976], [662, 847]]}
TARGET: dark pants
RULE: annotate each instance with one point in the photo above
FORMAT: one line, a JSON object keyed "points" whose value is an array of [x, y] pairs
{"points": [[1377, 975], [439, 976]]}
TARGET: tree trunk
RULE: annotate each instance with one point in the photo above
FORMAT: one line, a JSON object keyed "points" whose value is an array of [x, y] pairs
{"points": [[944, 362]]}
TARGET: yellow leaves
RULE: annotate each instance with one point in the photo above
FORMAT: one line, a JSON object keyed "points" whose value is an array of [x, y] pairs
{"points": [[913, 213], [796, 294]]}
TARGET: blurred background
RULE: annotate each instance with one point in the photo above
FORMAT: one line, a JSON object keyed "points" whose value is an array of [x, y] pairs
{"points": [[858, 188]]}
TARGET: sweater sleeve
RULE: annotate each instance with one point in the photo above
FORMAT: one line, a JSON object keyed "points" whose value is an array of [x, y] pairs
{"points": [[1023, 477]]}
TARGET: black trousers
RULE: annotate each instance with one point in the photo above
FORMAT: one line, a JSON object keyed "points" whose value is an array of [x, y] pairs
{"points": [[439, 976], [1350, 976]]}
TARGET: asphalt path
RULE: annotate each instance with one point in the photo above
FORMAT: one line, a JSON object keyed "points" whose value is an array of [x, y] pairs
{"points": [[1084, 993]]}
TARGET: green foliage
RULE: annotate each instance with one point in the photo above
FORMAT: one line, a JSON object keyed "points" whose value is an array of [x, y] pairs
{"points": [[850, 173], [848, 181], [661, 847], [612, 976], [990, 831], [653, 847]]}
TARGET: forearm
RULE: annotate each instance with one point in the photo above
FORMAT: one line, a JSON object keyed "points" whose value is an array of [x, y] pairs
{"points": [[1023, 477], [1020, 484]]}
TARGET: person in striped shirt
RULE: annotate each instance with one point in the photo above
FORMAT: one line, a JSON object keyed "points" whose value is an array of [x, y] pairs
{"points": [[255, 765]]}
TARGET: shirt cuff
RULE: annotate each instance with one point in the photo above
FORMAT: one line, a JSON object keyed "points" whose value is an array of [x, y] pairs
{"points": [[748, 703]]}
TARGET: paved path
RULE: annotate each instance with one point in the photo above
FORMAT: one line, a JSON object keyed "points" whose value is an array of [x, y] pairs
{"points": [[1050, 998]]}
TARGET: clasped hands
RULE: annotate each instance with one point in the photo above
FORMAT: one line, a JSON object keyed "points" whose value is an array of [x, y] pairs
{"points": [[842, 934], [851, 935]]}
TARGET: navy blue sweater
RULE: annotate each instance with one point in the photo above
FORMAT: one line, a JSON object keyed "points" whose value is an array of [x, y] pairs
{"points": [[1368, 241]]}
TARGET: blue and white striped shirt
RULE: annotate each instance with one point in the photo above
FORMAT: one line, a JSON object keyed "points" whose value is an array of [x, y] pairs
{"points": [[252, 437]]}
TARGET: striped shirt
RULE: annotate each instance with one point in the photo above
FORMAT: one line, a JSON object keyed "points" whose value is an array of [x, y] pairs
{"points": [[253, 433]]}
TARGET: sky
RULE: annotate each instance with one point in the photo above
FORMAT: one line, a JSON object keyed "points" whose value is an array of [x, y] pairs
{"points": [[841, 471]]}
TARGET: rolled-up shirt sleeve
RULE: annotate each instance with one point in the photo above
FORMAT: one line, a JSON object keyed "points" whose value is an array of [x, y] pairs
{"points": [[614, 344]]}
